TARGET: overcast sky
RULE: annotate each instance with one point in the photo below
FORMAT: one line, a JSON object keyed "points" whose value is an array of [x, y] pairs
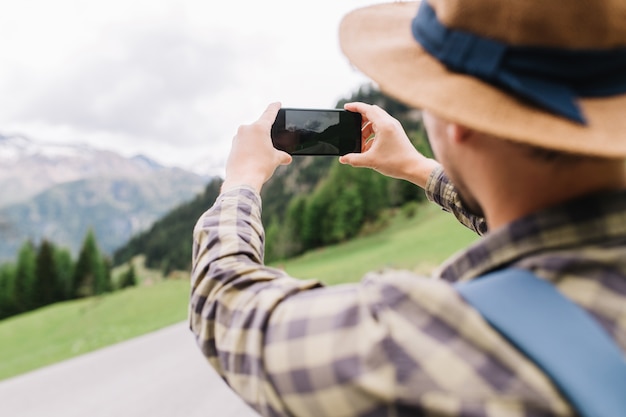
{"points": [[171, 79]]}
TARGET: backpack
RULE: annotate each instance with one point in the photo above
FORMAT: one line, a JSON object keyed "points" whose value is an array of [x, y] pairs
{"points": [[560, 337]]}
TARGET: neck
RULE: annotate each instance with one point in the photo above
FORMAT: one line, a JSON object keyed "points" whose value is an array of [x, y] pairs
{"points": [[523, 189]]}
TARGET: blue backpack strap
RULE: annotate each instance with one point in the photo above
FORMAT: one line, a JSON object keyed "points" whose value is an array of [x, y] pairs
{"points": [[560, 337]]}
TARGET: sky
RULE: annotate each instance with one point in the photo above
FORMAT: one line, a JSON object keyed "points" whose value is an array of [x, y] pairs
{"points": [[169, 79]]}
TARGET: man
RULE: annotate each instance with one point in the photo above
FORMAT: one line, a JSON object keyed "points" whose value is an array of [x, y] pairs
{"points": [[523, 103]]}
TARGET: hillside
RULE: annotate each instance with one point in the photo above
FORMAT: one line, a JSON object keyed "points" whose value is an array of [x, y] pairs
{"points": [[166, 245]]}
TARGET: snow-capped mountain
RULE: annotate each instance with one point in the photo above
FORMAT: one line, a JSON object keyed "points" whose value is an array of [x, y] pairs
{"points": [[13, 148], [28, 167], [59, 191]]}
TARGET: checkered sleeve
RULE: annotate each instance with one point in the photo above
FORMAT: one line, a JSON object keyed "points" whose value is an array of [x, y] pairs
{"points": [[233, 295], [441, 191], [393, 345]]}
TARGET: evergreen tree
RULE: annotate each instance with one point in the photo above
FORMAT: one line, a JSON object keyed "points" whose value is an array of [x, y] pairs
{"points": [[46, 275], [7, 291], [283, 236], [89, 273], [346, 214], [313, 220], [104, 284], [272, 238], [128, 278], [65, 273], [24, 294]]}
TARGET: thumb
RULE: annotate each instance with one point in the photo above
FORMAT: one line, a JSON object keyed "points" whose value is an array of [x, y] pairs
{"points": [[354, 159], [284, 158]]}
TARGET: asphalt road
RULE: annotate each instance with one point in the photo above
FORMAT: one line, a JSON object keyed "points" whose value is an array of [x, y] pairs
{"points": [[162, 374]]}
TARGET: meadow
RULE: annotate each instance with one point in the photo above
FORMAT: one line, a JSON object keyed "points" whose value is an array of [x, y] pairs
{"points": [[64, 330]]}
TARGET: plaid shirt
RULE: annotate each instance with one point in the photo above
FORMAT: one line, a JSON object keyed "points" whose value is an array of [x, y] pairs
{"points": [[396, 344]]}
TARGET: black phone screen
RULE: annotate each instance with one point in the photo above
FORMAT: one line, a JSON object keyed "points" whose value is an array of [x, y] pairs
{"points": [[317, 132]]}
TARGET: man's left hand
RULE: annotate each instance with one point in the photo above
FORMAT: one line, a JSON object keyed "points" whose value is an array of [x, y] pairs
{"points": [[253, 159]]}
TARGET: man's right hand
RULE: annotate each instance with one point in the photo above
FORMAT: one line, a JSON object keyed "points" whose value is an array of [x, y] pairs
{"points": [[253, 159], [386, 147]]}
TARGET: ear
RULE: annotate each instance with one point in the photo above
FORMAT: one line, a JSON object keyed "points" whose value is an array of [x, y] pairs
{"points": [[458, 133]]}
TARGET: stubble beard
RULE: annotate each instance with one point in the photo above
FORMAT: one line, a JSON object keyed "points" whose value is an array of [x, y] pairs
{"points": [[465, 196]]}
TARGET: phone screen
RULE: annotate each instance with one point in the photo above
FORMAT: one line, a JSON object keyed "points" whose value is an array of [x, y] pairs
{"points": [[317, 132]]}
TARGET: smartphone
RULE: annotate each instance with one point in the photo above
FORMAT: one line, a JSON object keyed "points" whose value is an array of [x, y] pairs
{"points": [[317, 132]]}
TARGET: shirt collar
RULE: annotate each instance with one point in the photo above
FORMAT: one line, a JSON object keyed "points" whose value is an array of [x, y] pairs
{"points": [[591, 219]]}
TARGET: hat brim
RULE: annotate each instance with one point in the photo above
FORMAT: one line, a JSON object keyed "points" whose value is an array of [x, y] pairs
{"points": [[378, 41]]}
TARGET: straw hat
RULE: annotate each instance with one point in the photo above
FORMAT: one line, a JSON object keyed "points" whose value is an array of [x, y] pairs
{"points": [[381, 42]]}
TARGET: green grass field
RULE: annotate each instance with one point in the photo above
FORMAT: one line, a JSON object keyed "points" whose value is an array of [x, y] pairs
{"points": [[419, 244], [69, 329]]}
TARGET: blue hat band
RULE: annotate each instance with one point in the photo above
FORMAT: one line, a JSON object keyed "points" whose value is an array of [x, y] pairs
{"points": [[550, 78]]}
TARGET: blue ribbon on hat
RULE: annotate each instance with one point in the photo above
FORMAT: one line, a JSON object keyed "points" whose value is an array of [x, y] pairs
{"points": [[549, 78]]}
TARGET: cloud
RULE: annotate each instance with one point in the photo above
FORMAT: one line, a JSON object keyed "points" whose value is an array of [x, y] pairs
{"points": [[146, 83], [171, 79]]}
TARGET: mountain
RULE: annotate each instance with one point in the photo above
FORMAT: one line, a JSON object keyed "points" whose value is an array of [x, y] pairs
{"points": [[167, 243], [60, 191], [28, 167]]}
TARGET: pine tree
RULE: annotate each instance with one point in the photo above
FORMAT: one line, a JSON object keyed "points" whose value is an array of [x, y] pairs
{"points": [[24, 294], [46, 275], [7, 291], [346, 215], [313, 221], [65, 274], [89, 273], [103, 282]]}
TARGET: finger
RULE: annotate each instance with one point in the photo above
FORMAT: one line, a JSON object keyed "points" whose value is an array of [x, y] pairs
{"points": [[270, 113], [358, 107], [284, 158], [372, 113], [367, 131], [354, 159]]}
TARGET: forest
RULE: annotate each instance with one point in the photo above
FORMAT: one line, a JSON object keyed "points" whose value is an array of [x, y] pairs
{"points": [[45, 274]]}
